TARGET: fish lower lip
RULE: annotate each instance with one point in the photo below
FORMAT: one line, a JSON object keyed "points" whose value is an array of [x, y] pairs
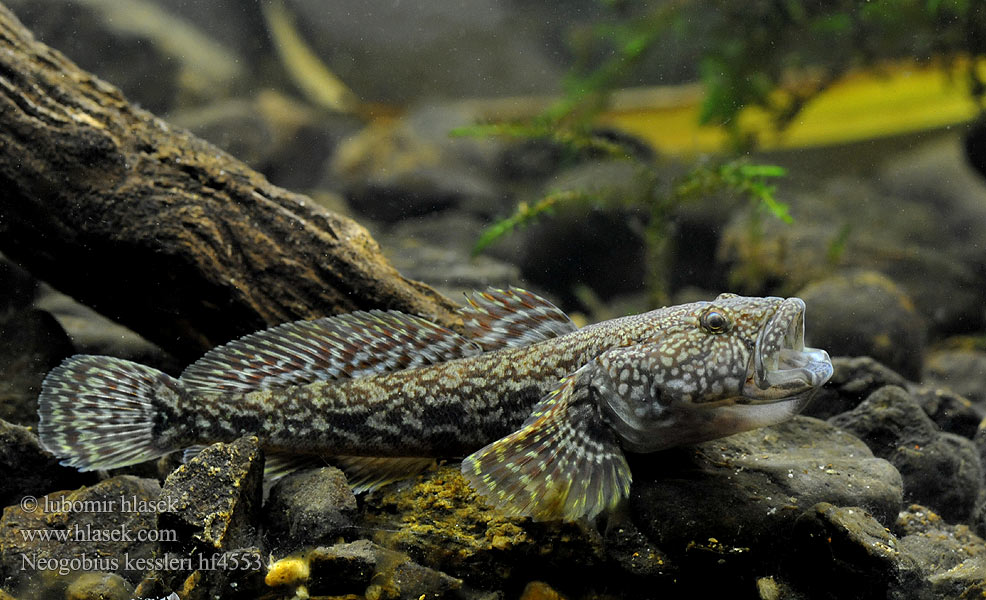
{"points": [[812, 366], [796, 371]]}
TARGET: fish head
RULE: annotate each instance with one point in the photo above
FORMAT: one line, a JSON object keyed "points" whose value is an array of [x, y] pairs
{"points": [[708, 370]]}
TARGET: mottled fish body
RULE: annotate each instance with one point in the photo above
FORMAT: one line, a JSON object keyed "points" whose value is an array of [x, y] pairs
{"points": [[543, 409]]}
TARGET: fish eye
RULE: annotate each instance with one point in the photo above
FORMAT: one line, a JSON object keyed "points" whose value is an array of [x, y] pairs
{"points": [[715, 322]]}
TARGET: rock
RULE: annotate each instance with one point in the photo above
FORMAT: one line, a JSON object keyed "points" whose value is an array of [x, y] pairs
{"points": [[345, 568], [979, 440], [109, 527], [950, 411], [28, 469], [934, 544], [154, 57], [92, 333], [979, 517], [885, 324], [853, 379], [360, 568], [950, 556], [758, 484], [446, 268], [310, 508], [213, 506], [539, 590], [530, 159], [940, 270], [962, 371], [940, 470], [99, 586], [17, 287], [843, 552], [420, 192], [215, 498], [611, 253], [965, 580], [411, 167], [401, 53], [31, 344], [639, 562], [770, 588], [440, 522]]}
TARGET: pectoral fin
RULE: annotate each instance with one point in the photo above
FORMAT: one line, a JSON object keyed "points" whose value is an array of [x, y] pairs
{"points": [[563, 464]]}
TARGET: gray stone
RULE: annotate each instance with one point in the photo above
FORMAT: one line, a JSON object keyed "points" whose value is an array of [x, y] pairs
{"points": [[853, 380], [951, 557], [213, 506], [843, 552], [729, 505], [17, 287], [156, 58], [98, 526], [940, 470], [215, 498], [28, 469], [950, 411], [448, 269], [310, 508], [92, 333], [411, 167], [606, 228], [882, 322], [965, 580], [962, 371], [99, 586], [364, 568], [937, 546], [397, 52], [915, 228], [31, 344]]}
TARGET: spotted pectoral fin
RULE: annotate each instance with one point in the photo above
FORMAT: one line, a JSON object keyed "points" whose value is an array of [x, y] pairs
{"points": [[563, 464], [497, 319], [345, 346]]}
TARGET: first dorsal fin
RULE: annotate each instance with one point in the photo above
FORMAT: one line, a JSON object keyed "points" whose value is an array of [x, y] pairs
{"points": [[350, 345], [498, 319]]}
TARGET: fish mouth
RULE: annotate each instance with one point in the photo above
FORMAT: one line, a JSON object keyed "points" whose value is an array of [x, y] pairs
{"points": [[782, 366]]}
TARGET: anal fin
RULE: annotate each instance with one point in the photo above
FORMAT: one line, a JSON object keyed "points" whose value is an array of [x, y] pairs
{"points": [[367, 473]]}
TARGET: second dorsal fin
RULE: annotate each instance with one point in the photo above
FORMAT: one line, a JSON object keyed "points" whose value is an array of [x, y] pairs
{"points": [[498, 319], [350, 345]]}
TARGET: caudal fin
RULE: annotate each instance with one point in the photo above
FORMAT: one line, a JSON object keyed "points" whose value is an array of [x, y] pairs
{"points": [[99, 412]]}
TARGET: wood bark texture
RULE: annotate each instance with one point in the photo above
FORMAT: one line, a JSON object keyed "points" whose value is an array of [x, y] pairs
{"points": [[160, 230]]}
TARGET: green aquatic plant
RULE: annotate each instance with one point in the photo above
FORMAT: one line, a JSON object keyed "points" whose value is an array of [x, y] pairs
{"points": [[738, 177], [570, 121], [571, 124]]}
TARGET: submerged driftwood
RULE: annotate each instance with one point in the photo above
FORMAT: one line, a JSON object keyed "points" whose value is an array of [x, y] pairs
{"points": [[160, 230]]}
